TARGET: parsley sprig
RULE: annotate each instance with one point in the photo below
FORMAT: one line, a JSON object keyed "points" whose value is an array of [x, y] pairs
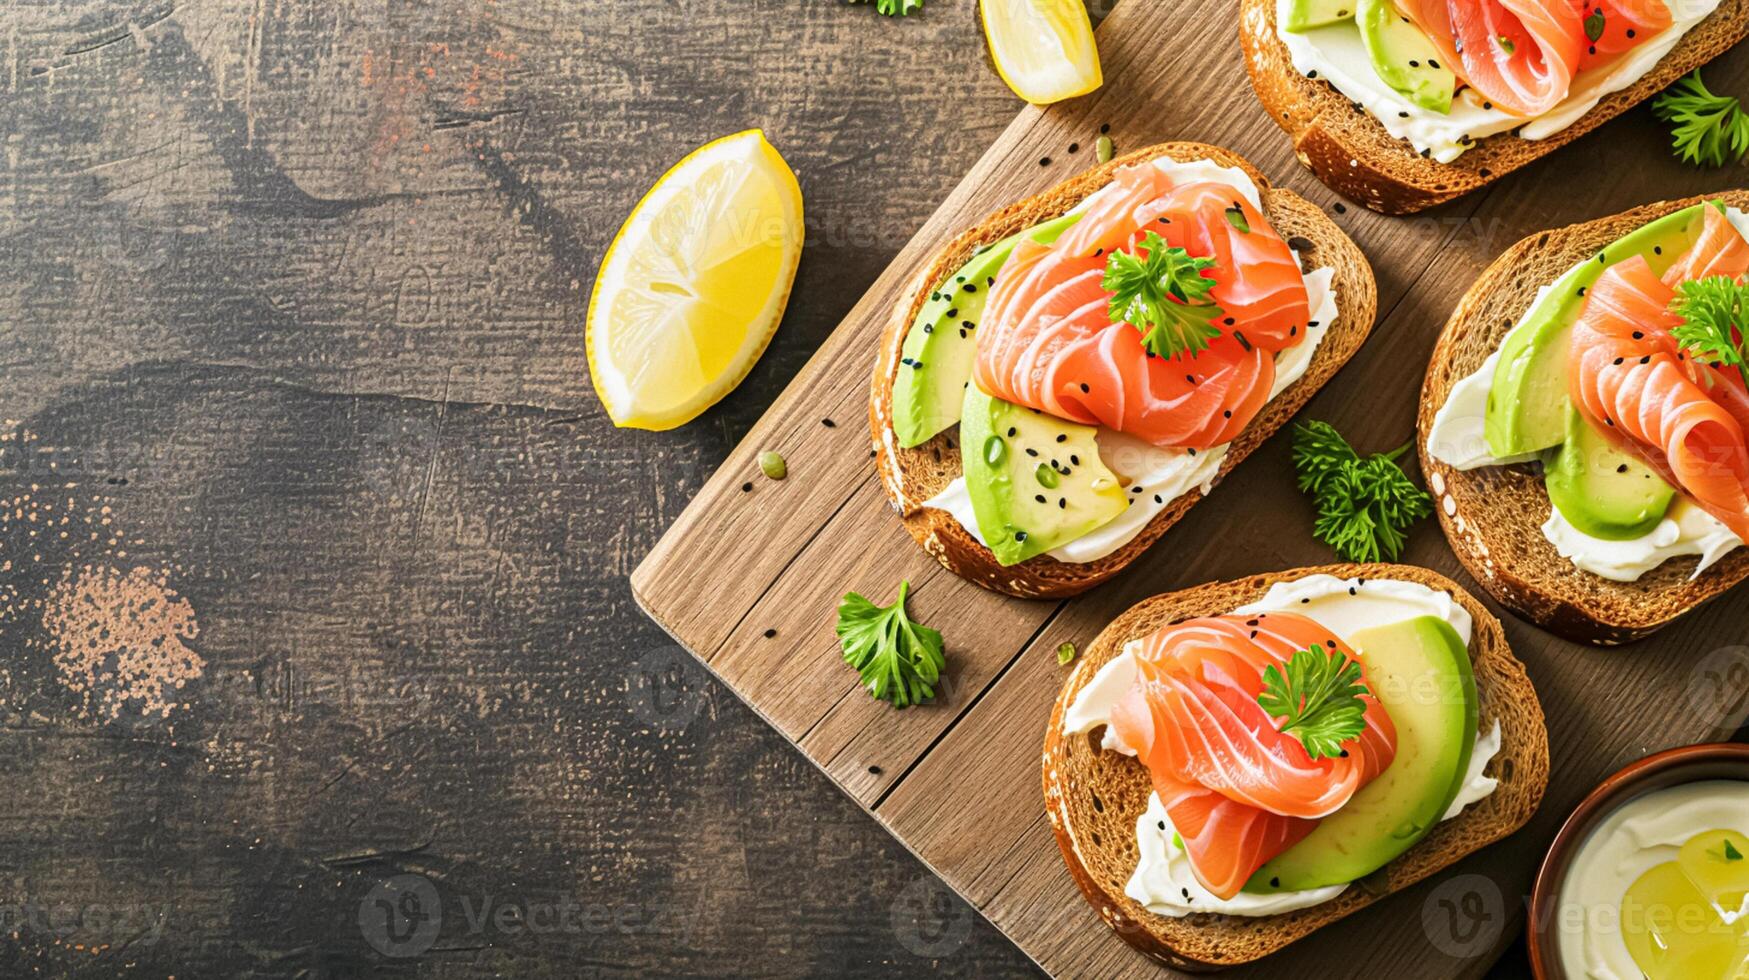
{"points": [[1164, 295], [895, 8], [899, 660], [1710, 130], [1318, 699], [1365, 505], [1712, 328]]}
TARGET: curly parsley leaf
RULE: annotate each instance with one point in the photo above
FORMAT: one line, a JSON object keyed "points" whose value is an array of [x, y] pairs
{"points": [[1164, 294], [1731, 852], [1318, 699], [1712, 328], [1710, 130], [1365, 505], [895, 8], [899, 660]]}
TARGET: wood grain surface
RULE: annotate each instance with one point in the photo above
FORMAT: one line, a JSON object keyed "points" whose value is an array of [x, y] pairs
{"points": [[956, 780]]}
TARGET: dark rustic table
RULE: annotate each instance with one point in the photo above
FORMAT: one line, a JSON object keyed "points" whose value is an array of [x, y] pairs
{"points": [[296, 412]]}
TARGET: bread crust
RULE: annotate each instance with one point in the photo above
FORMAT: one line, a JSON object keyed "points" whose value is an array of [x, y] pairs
{"points": [[1351, 152], [1493, 516], [911, 476], [1093, 798]]}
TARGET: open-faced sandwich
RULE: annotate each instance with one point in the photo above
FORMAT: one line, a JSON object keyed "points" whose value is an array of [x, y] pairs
{"points": [[1402, 104], [1230, 767], [1583, 421], [1063, 381]]}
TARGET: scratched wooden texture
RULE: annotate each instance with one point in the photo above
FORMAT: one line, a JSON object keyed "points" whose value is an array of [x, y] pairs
{"points": [[309, 277], [958, 780]]}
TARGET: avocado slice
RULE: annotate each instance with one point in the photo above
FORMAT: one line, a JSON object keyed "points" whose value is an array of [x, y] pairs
{"points": [[935, 361], [1303, 15], [1403, 57], [1528, 403], [1419, 669], [1035, 480], [1603, 490]]}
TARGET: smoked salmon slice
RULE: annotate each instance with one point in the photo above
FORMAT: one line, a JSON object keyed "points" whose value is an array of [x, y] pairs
{"points": [[1238, 790], [1633, 381], [1522, 55], [1048, 341]]}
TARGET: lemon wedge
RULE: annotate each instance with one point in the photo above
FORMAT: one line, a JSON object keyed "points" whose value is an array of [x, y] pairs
{"points": [[693, 286], [1043, 49]]}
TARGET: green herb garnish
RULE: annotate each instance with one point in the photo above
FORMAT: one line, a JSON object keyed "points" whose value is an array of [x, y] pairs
{"points": [[1506, 44], [899, 660], [1712, 328], [1065, 653], [1365, 506], [1164, 295], [1236, 218], [1710, 130], [1594, 26], [1731, 852], [1318, 698], [895, 8]]}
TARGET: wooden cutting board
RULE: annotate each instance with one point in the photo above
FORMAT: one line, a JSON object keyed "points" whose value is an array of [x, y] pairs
{"points": [[749, 576]]}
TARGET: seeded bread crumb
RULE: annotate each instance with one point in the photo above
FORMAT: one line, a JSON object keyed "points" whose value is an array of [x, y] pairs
{"points": [[1351, 152], [912, 476], [1493, 516], [1093, 798]]}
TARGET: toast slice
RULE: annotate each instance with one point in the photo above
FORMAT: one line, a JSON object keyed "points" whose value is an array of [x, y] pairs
{"points": [[1093, 798], [912, 476], [1351, 152], [1493, 516]]}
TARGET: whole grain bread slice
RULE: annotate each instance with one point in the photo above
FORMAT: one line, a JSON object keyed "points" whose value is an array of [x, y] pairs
{"points": [[1093, 797], [912, 476], [1351, 152], [1493, 516]]}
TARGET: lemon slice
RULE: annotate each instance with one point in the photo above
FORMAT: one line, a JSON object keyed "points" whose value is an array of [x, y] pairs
{"points": [[1043, 49], [693, 286]]}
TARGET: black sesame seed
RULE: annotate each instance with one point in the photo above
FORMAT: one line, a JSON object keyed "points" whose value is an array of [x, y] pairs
{"points": [[746, 488], [1074, 148], [1039, 497], [1158, 500], [1020, 535], [1341, 208], [1630, 32], [1062, 437], [1227, 414], [971, 287], [952, 312], [1084, 388], [770, 633], [1105, 127], [1044, 161], [1623, 468], [828, 423]]}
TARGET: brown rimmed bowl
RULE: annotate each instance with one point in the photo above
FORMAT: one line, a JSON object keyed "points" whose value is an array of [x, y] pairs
{"points": [[1673, 767]]}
